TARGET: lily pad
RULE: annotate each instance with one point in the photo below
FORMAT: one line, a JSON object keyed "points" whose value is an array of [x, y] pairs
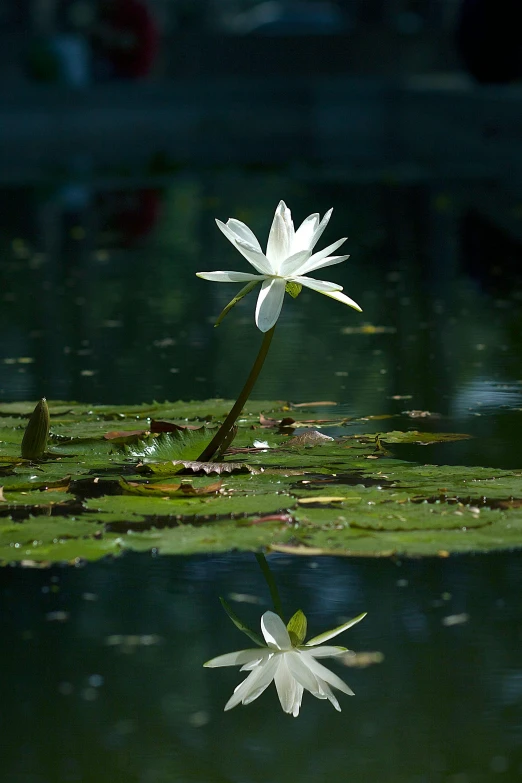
{"points": [[424, 438]]}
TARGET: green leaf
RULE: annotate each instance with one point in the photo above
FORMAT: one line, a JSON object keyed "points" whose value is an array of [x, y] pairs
{"points": [[198, 510], [257, 638], [177, 489], [180, 446], [297, 628], [425, 438]]}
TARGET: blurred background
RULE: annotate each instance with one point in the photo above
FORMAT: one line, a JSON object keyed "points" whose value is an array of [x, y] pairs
{"points": [[61, 40]]}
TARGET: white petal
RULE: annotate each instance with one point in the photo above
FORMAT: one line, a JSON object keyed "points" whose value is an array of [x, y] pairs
{"points": [[321, 227], [243, 232], [325, 651], [293, 263], [343, 298], [275, 632], [238, 658], [298, 667], [281, 235], [324, 637], [329, 695], [258, 259], [265, 677], [269, 303], [249, 686], [248, 667], [229, 277], [298, 698], [322, 286], [318, 257], [289, 691], [250, 252], [304, 236], [322, 673], [328, 261]]}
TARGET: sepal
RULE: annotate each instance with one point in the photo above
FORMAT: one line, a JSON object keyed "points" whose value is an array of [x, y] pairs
{"points": [[294, 289], [244, 291], [257, 638], [297, 628], [323, 637]]}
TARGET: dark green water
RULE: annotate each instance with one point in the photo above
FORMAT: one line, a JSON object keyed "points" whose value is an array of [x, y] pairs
{"points": [[114, 689], [100, 303]]}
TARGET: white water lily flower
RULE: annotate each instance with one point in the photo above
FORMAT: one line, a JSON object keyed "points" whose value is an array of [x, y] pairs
{"points": [[291, 664], [288, 259]]}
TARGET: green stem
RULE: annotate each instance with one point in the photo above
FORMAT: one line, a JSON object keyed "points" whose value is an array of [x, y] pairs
{"points": [[224, 430], [269, 578]]}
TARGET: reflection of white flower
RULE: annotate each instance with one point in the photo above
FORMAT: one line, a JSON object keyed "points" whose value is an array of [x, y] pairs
{"points": [[290, 663], [288, 259]]}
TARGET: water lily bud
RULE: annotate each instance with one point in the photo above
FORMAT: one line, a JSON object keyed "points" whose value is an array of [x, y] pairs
{"points": [[36, 433]]}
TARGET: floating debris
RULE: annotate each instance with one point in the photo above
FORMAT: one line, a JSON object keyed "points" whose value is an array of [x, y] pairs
{"points": [[57, 617], [455, 619], [130, 642], [361, 660]]}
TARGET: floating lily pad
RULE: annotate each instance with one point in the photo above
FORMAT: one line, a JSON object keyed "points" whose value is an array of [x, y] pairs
{"points": [[167, 447], [424, 438], [173, 489], [197, 509], [35, 499]]}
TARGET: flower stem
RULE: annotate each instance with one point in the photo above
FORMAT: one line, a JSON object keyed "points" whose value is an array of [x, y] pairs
{"points": [[269, 578], [213, 447]]}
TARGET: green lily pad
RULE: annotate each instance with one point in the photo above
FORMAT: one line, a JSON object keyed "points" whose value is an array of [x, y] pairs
{"points": [[194, 488], [186, 446], [423, 438], [36, 499], [198, 509]]}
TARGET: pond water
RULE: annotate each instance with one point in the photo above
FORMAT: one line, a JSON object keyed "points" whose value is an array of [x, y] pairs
{"points": [[103, 677], [102, 664]]}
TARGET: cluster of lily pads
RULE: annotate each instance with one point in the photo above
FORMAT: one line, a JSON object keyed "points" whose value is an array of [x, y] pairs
{"points": [[115, 478]]}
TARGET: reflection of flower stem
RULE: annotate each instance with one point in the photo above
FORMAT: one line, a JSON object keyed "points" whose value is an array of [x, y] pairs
{"points": [[213, 447], [269, 578]]}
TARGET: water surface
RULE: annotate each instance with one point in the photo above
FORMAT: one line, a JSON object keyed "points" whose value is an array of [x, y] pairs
{"points": [[105, 681]]}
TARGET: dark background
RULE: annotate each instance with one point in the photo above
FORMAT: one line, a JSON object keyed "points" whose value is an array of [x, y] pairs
{"points": [[353, 82]]}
